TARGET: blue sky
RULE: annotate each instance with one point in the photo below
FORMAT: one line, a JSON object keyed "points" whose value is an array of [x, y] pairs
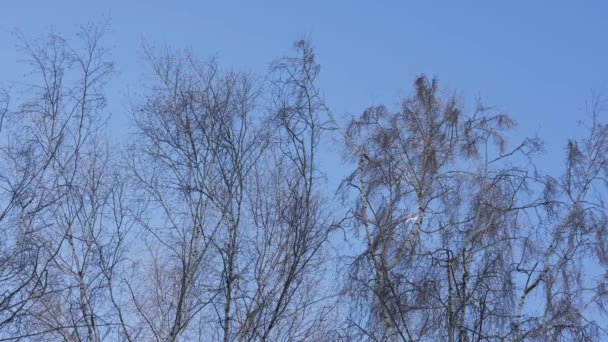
{"points": [[538, 60]]}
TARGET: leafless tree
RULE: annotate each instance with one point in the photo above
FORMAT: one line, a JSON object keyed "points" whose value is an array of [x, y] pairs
{"points": [[438, 213], [235, 214], [61, 188], [285, 299], [564, 265], [197, 144]]}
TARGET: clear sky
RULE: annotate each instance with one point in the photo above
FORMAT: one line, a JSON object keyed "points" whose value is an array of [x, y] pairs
{"points": [[538, 60]]}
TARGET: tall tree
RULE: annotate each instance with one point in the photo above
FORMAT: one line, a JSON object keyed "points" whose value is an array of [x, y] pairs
{"points": [[60, 188], [437, 211]]}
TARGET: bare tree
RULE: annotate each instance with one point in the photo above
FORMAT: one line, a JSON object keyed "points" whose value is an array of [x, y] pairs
{"points": [[61, 185], [435, 208], [564, 264], [239, 224], [197, 145], [285, 299]]}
